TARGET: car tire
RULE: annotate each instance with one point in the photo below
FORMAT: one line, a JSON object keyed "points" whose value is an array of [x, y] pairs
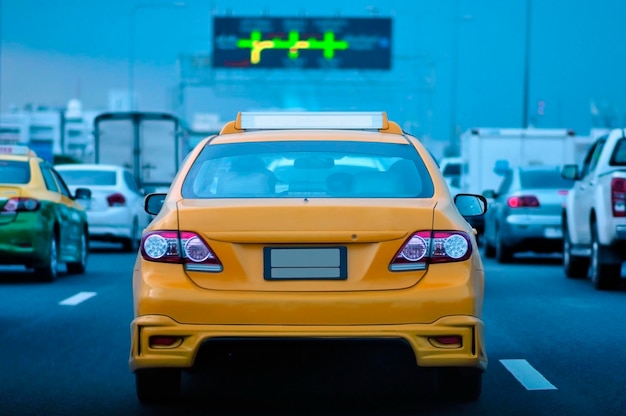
{"points": [[131, 245], [50, 271], [490, 250], [158, 385], [575, 267], [504, 254], [80, 266], [604, 276], [460, 384]]}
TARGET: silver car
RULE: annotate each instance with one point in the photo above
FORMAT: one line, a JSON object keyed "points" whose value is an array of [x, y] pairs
{"points": [[115, 210], [524, 214]]}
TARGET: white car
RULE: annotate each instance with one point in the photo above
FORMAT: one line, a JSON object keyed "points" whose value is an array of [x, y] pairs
{"points": [[115, 210]]}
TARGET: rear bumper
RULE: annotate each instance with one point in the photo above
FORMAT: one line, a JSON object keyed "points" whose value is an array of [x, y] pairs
{"points": [[190, 350], [537, 230], [112, 224], [24, 241]]}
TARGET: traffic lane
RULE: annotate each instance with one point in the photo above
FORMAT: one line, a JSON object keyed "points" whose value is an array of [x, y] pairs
{"points": [[86, 352], [65, 357], [564, 328]]}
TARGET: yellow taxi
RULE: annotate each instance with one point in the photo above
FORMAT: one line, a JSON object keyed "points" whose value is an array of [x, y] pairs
{"points": [[42, 224], [305, 226]]}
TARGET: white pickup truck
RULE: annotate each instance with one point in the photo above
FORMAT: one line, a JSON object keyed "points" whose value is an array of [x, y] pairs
{"points": [[594, 215]]}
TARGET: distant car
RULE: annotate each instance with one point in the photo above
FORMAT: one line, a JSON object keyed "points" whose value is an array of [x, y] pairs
{"points": [[525, 214], [294, 228], [41, 222], [115, 210], [451, 168]]}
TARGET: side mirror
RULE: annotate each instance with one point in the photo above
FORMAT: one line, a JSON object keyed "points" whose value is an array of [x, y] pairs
{"points": [[83, 197], [153, 202], [489, 194], [82, 193], [501, 167], [470, 205], [570, 172]]}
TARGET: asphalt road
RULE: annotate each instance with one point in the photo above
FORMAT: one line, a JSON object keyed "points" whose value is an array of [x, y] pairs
{"points": [[555, 346]]}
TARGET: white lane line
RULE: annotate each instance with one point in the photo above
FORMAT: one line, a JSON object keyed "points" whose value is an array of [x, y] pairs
{"points": [[77, 298], [527, 375]]}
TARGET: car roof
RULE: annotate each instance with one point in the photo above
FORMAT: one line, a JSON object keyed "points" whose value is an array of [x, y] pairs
{"points": [[304, 135], [538, 168], [88, 166]]}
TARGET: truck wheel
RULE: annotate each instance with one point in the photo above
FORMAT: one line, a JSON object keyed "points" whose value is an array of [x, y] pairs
{"points": [[575, 267], [604, 276], [504, 254], [157, 385]]}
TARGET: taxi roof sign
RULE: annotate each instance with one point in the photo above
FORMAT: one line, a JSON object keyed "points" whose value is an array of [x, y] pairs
{"points": [[16, 150], [350, 120]]}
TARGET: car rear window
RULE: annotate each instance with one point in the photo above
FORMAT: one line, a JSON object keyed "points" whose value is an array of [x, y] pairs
{"points": [[296, 169], [14, 172], [544, 179], [88, 177]]}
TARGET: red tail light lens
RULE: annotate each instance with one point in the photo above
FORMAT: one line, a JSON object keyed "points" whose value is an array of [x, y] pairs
{"points": [[425, 247], [618, 197], [116, 200], [524, 201], [15, 205], [183, 247]]}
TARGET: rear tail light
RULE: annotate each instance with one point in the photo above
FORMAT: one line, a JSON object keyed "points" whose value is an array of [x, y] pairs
{"points": [[425, 247], [524, 201], [15, 205], [116, 200], [165, 341], [618, 197], [183, 247]]}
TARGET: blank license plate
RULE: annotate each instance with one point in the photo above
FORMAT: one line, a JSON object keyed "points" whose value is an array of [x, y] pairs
{"points": [[305, 263], [553, 232]]}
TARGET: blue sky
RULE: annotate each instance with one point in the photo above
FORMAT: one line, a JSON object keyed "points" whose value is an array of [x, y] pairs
{"points": [[55, 50]]}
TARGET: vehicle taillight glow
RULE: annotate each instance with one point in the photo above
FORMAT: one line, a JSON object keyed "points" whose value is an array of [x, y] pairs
{"points": [[15, 205], [185, 247], [116, 200], [618, 197], [425, 247], [524, 201]]}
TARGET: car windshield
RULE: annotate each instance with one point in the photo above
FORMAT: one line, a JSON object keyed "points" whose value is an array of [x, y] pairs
{"points": [[548, 179], [14, 172], [88, 177], [326, 169]]}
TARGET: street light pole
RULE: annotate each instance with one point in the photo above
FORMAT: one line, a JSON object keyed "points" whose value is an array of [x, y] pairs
{"points": [[526, 67], [455, 70], [131, 54]]}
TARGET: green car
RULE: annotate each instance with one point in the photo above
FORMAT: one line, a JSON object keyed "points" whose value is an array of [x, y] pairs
{"points": [[41, 223]]}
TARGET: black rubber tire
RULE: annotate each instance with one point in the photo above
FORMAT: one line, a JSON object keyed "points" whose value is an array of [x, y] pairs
{"points": [[575, 267], [604, 276], [490, 251], [460, 384], [158, 385], [504, 254], [131, 245], [50, 271], [80, 266]]}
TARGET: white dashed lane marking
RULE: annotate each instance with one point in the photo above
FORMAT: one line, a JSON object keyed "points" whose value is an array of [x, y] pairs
{"points": [[526, 374], [77, 298]]}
